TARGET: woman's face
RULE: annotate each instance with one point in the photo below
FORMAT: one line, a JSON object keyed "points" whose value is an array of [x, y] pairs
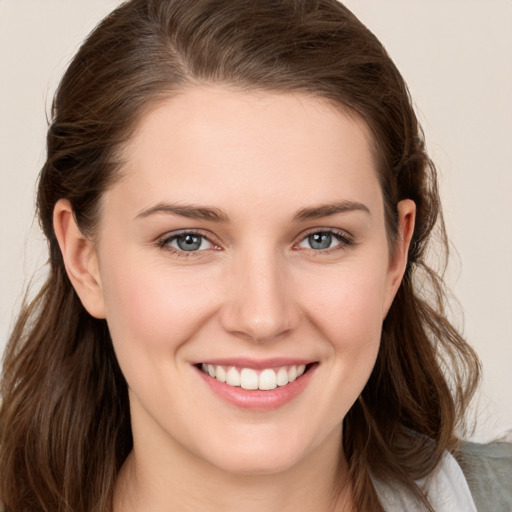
{"points": [[245, 242]]}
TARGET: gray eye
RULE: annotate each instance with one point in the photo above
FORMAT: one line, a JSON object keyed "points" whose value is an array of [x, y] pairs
{"points": [[322, 240], [190, 242]]}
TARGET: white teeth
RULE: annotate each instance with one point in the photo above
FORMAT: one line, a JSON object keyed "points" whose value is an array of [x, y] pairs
{"points": [[282, 377], [233, 377], [220, 373], [267, 380], [247, 378]]}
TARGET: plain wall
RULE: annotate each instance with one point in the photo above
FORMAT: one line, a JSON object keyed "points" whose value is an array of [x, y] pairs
{"points": [[457, 59]]}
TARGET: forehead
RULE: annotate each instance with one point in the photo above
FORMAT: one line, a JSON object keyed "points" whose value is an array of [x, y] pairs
{"points": [[214, 142]]}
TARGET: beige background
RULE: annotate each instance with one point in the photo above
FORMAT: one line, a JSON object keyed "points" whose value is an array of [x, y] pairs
{"points": [[457, 58]]}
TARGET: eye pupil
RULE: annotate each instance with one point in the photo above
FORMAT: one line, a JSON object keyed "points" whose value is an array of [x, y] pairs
{"points": [[320, 240], [189, 242]]}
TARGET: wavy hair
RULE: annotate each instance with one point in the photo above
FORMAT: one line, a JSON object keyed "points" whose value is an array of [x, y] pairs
{"points": [[64, 421]]}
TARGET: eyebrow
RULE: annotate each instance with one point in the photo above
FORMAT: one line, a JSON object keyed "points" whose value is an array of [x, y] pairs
{"points": [[189, 211], [326, 210], [217, 215]]}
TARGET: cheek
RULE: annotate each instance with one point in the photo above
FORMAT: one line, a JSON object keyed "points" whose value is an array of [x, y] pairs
{"points": [[348, 306], [151, 309], [346, 309]]}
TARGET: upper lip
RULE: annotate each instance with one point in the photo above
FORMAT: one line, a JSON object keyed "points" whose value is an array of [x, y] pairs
{"points": [[257, 364]]}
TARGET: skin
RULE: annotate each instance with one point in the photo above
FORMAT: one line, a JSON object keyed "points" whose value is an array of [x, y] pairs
{"points": [[256, 288]]}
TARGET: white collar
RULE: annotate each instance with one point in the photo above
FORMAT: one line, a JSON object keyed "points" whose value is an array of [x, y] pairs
{"points": [[446, 489]]}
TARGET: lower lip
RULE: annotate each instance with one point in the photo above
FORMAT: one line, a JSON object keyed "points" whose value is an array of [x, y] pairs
{"points": [[257, 400]]}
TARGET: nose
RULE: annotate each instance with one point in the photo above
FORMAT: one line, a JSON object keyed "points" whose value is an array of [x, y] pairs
{"points": [[259, 303]]}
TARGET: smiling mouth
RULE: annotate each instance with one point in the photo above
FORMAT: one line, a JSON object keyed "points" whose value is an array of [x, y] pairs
{"points": [[247, 378]]}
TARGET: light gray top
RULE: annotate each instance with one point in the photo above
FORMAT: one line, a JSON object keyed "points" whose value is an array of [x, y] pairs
{"points": [[479, 479], [488, 472]]}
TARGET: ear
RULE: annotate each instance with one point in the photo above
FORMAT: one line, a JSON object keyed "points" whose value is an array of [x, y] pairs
{"points": [[80, 259], [398, 259]]}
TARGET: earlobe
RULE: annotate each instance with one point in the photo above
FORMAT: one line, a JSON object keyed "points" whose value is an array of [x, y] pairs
{"points": [[398, 260], [80, 259]]}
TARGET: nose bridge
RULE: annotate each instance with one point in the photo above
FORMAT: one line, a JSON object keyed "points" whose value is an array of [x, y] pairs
{"points": [[260, 305]]}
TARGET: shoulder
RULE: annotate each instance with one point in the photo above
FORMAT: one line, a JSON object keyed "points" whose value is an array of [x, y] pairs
{"points": [[477, 479], [488, 472], [446, 490]]}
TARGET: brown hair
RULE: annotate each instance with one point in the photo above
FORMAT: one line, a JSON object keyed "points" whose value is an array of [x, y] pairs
{"points": [[64, 422]]}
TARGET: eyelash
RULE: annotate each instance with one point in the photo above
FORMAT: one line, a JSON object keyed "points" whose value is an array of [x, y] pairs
{"points": [[345, 241]]}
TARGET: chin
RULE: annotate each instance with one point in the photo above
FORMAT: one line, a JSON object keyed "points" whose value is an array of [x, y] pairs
{"points": [[252, 465], [259, 456]]}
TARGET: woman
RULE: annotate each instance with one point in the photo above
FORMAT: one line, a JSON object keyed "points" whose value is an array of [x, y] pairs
{"points": [[238, 314]]}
